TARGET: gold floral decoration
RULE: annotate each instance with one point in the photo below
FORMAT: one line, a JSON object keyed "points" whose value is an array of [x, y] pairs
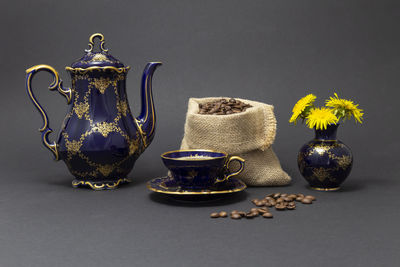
{"points": [[73, 146], [321, 149], [104, 128], [133, 146], [105, 169], [192, 173], [81, 109], [343, 161], [101, 84], [122, 107], [99, 57], [321, 174]]}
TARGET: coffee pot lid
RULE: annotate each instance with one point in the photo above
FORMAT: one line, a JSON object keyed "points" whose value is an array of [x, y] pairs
{"points": [[97, 59]]}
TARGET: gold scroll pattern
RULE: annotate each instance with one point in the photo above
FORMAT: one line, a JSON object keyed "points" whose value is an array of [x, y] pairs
{"points": [[100, 186], [81, 109]]}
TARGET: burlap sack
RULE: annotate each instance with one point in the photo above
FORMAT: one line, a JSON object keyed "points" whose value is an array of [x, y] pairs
{"points": [[248, 134]]}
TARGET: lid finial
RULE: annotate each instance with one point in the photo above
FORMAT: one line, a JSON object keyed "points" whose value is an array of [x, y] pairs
{"points": [[91, 42]]}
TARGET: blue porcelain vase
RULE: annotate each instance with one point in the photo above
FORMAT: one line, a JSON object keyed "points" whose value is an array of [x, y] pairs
{"points": [[99, 140], [325, 162]]}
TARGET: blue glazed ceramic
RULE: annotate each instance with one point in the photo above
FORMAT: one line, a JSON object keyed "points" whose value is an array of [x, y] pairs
{"points": [[199, 169], [99, 139], [325, 162]]}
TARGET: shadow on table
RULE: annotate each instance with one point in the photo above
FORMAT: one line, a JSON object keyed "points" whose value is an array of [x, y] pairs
{"points": [[365, 183], [198, 201], [61, 181], [353, 187]]}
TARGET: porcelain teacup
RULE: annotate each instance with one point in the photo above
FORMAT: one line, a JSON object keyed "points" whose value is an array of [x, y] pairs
{"points": [[200, 169]]}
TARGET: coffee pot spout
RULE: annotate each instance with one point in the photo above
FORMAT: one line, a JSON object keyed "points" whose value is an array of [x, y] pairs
{"points": [[147, 117]]}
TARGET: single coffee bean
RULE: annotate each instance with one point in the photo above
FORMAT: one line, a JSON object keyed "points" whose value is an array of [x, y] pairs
{"points": [[254, 210], [299, 198], [284, 195], [268, 215], [223, 214], [234, 211], [269, 204], [236, 216], [311, 197], [292, 196], [276, 195], [306, 201], [214, 215], [251, 215], [273, 202], [279, 200], [300, 195], [280, 206], [242, 213], [291, 206], [262, 210], [214, 109], [259, 203], [270, 195]]}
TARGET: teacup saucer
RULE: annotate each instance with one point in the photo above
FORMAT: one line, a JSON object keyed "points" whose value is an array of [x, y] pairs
{"points": [[167, 185]]}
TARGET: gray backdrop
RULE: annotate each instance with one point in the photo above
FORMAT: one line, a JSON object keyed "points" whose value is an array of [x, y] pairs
{"points": [[269, 51]]}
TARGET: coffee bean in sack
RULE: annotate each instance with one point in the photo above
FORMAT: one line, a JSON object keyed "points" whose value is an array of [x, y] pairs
{"points": [[223, 107]]}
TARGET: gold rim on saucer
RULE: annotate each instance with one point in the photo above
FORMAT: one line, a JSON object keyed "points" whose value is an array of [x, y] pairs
{"points": [[241, 186]]}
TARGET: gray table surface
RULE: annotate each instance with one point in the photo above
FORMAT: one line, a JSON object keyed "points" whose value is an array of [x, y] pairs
{"points": [[269, 51], [45, 222]]}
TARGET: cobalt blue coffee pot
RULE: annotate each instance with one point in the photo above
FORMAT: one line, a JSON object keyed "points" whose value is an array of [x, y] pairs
{"points": [[99, 139]]}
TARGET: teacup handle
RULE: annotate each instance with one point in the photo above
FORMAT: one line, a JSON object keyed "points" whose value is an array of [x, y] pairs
{"points": [[241, 162]]}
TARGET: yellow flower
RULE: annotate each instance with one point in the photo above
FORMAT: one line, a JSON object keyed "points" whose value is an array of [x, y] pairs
{"points": [[320, 118], [302, 106], [344, 108]]}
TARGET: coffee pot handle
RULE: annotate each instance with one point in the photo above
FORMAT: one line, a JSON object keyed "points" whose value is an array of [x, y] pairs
{"points": [[227, 176], [56, 84]]}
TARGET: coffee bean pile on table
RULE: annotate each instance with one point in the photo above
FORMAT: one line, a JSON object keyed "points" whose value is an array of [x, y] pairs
{"points": [[223, 107], [277, 200]]}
